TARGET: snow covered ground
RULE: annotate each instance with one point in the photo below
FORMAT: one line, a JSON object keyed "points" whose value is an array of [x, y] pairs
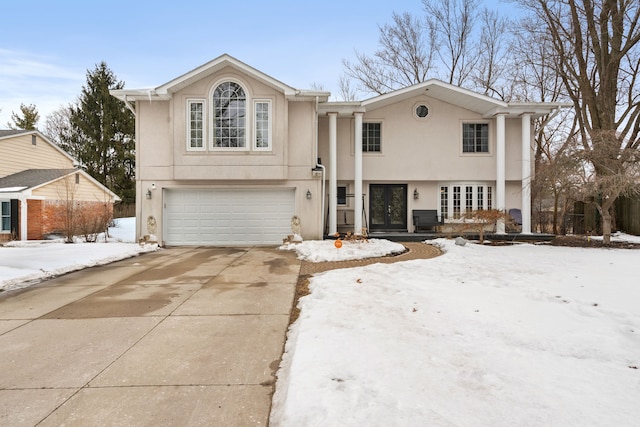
{"points": [[25, 263], [523, 335]]}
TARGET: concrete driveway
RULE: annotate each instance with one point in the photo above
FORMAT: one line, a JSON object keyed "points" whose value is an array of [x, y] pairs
{"points": [[179, 337]]}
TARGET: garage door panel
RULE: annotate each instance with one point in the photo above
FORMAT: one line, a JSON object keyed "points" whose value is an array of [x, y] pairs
{"points": [[227, 217]]}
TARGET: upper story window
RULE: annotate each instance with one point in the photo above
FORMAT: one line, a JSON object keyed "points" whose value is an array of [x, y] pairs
{"points": [[195, 124], [371, 137], [475, 137], [262, 124], [229, 116]]}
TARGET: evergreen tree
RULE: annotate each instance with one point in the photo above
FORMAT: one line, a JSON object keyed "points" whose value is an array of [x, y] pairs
{"points": [[26, 121], [102, 132]]}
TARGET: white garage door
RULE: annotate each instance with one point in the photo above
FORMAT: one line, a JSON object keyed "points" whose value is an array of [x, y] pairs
{"points": [[227, 217]]}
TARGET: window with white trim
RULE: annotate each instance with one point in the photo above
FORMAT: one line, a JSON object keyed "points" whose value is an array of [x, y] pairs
{"points": [[475, 137], [371, 137], [229, 115], [262, 124], [477, 196], [195, 125], [5, 217]]}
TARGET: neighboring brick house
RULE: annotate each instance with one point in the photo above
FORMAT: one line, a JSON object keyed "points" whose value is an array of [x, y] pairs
{"points": [[38, 182]]}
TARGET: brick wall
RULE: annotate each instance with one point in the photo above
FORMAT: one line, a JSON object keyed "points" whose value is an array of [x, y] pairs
{"points": [[50, 216], [34, 219]]}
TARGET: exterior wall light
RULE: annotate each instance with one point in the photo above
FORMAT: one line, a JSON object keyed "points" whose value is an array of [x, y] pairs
{"points": [[148, 194], [416, 195], [308, 194]]}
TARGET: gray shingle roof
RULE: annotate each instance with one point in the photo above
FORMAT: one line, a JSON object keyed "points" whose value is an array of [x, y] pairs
{"points": [[10, 132], [33, 177]]}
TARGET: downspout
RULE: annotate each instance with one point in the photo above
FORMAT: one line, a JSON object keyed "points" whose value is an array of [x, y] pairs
{"points": [[320, 166]]}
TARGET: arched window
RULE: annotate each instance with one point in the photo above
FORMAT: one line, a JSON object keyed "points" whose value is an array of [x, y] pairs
{"points": [[229, 116]]}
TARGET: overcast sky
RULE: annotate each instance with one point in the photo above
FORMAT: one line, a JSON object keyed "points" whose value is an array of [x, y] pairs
{"points": [[47, 46]]}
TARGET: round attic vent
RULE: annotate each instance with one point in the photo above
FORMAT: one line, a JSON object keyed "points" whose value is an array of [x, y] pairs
{"points": [[422, 111]]}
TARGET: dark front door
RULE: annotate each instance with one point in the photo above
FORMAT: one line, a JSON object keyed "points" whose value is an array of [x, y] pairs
{"points": [[388, 207]]}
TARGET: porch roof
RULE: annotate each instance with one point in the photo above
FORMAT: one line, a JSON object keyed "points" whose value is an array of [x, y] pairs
{"points": [[437, 89]]}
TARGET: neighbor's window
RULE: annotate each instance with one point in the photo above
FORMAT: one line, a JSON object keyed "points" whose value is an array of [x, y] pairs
{"points": [[229, 116], [371, 137], [5, 217], [262, 125], [195, 124], [475, 137]]}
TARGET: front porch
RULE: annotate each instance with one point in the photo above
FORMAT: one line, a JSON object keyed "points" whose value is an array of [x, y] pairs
{"points": [[395, 236]]}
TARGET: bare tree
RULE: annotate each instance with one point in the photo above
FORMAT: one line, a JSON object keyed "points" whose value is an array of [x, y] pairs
{"points": [[57, 126], [346, 90], [454, 21], [489, 71], [597, 56], [405, 57]]}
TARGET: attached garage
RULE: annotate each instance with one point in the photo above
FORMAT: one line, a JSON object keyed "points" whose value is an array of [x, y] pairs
{"points": [[227, 216]]}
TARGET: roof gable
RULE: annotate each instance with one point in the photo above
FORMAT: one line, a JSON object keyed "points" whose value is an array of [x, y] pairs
{"points": [[32, 179], [7, 135], [445, 92], [164, 92]]}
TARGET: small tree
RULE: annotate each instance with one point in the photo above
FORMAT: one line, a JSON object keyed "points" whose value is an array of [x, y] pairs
{"points": [[479, 219], [26, 120]]}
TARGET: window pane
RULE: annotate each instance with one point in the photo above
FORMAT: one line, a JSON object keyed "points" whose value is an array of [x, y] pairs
{"points": [[262, 125], [468, 199], [480, 197], [475, 138], [229, 109], [456, 202], [371, 136], [5, 222], [196, 124], [444, 202], [489, 201], [342, 195]]}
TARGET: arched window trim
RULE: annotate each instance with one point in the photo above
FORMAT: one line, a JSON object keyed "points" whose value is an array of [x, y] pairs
{"points": [[247, 117]]}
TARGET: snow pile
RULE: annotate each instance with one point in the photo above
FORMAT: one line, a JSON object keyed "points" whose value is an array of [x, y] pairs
{"points": [[25, 263], [480, 336], [325, 250]]}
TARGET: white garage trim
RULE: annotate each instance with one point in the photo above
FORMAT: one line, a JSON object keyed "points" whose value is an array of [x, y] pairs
{"points": [[227, 216]]}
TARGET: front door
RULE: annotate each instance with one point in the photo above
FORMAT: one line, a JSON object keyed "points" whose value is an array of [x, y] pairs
{"points": [[388, 207]]}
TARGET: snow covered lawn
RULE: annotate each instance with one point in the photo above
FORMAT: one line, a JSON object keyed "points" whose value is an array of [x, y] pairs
{"points": [[24, 263], [524, 335]]}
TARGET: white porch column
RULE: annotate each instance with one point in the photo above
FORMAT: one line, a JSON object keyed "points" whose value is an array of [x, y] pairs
{"points": [[500, 169], [526, 174], [23, 219], [357, 178], [333, 173]]}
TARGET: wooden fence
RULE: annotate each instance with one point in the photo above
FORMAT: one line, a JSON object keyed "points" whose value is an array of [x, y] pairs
{"points": [[124, 210], [628, 215]]}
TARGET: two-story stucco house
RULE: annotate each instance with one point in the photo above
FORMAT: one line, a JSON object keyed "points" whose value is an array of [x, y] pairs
{"points": [[227, 155]]}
